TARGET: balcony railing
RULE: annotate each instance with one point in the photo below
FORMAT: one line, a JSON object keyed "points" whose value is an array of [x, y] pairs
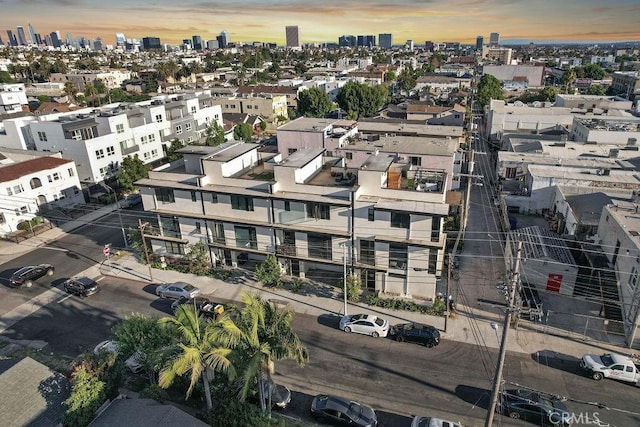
{"points": [[132, 149], [218, 240], [287, 250]]}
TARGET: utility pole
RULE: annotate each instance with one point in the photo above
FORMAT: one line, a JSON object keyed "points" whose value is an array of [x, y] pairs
{"points": [[344, 262], [497, 379], [141, 227]]}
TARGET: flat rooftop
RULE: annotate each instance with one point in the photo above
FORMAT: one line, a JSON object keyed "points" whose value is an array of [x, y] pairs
{"points": [[311, 124], [407, 145]]}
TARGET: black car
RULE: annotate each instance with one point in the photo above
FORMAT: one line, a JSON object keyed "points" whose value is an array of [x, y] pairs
{"points": [[81, 286], [418, 333], [341, 411], [539, 409], [280, 395], [26, 275]]}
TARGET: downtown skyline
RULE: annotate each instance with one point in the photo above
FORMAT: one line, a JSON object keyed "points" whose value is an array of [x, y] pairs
{"points": [[259, 20]]}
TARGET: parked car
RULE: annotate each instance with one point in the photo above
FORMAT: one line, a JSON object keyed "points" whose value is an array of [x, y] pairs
{"points": [[26, 275], [132, 363], [204, 305], [131, 200], [418, 333], [280, 395], [81, 286], [337, 410], [611, 365], [539, 409], [177, 290], [365, 324], [432, 422]]}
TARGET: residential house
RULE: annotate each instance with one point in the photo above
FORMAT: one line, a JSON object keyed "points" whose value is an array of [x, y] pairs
{"points": [[13, 98], [112, 79], [290, 92], [32, 181], [436, 115], [268, 106]]}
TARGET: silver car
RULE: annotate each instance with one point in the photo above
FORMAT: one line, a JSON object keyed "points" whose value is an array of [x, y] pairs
{"points": [[366, 324], [177, 290]]}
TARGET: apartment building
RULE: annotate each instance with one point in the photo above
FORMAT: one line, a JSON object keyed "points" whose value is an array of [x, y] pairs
{"points": [[31, 181], [626, 84], [266, 105], [605, 129], [13, 98], [619, 230], [111, 79], [307, 210]]}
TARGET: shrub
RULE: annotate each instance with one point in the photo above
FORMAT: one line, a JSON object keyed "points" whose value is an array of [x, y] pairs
{"points": [[230, 412], [354, 287], [269, 272], [87, 395], [437, 309], [296, 285], [153, 391], [221, 274]]}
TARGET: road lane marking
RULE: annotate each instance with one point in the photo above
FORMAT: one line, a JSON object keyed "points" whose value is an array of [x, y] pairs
{"points": [[97, 280], [64, 299]]}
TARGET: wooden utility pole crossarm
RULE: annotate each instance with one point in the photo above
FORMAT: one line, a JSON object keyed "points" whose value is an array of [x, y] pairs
{"points": [[141, 227]]}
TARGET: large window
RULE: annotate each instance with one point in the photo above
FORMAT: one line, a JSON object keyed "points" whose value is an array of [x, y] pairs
{"points": [[165, 195], [318, 210], [35, 182], [400, 220], [398, 256], [174, 248], [120, 128], [217, 232], [368, 252], [170, 227], [246, 237], [319, 246], [241, 203], [435, 228], [42, 136], [433, 260]]}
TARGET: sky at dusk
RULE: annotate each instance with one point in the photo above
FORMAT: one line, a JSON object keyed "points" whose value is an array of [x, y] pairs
{"points": [[326, 20]]}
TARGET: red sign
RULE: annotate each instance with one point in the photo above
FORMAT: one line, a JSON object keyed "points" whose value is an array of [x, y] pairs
{"points": [[554, 281], [106, 251]]}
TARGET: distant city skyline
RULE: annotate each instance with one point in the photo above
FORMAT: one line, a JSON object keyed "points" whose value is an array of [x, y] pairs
{"points": [[318, 22]]}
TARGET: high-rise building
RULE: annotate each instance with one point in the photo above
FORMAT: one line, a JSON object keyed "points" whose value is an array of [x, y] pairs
{"points": [[479, 42], [120, 39], [151, 43], [97, 44], [55, 40], [347, 41], [494, 39], [12, 39], [68, 38], [385, 40], [428, 46], [213, 44], [293, 36], [22, 39], [196, 42], [366, 41], [409, 44], [32, 33], [38, 40], [1, 42], [223, 39], [186, 44]]}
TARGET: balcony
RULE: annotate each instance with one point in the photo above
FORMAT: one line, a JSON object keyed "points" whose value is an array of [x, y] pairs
{"points": [[216, 240], [286, 250]]}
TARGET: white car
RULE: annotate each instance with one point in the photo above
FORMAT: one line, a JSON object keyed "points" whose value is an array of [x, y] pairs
{"points": [[365, 324], [108, 346], [432, 422], [177, 290]]}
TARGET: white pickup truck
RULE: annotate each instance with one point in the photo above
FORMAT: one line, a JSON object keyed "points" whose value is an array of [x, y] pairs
{"points": [[611, 365]]}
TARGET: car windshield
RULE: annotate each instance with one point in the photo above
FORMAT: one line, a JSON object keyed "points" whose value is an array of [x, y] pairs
{"points": [[188, 287], [379, 321], [607, 360], [354, 411], [357, 317]]}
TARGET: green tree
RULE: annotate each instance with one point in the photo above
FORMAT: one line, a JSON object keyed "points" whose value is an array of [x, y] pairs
{"points": [[91, 93], [354, 287], [314, 102], [172, 153], [597, 90], [44, 98], [243, 132], [215, 134], [70, 90], [145, 337], [87, 395], [407, 80], [269, 272], [568, 78], [131, 170], [359, 99], [390, 76], [199, 260], [5, 77], [261, 334], [197, 352], [548, 94], [489, 88], [594, 71]]}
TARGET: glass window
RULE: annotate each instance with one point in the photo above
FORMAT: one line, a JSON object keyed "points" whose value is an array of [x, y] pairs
{"points": [[214, 198], [241, 203], [165, 195], [178, 129], [187, 127], [111, 151], [198, 227], [319, 246], [371, 214], [400, 220], [174, 248], [36, 183], [170, 227], [193, 196], [246, 237], [433, 261], [144, 139], [159, 118], [100, 153], [120, 128], [398, 256], [71, 172], [152, 137], [42, 136], [368, 252], [318, 210]]}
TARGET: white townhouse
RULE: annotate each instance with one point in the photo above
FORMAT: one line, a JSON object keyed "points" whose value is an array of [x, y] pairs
{"points": [[245, 204], [31, 181], [619, 230], [12, 98]]}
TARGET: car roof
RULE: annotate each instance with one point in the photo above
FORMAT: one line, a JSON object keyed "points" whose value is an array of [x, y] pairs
{"points": [[333, 402], [84, 280], [361, 316]]}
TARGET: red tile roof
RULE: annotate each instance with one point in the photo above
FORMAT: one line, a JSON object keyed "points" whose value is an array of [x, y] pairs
{"points": [[17, 170]]}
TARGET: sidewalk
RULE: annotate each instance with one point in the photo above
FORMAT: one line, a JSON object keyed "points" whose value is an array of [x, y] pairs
{"points": [[471, 325]]}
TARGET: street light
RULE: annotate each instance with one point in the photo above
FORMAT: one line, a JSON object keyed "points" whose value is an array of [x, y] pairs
{"points": [[344, 272]]}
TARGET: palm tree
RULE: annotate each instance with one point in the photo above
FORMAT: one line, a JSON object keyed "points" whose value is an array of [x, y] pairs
{"points": [[261, 334], [90, 92], [198, 352]]}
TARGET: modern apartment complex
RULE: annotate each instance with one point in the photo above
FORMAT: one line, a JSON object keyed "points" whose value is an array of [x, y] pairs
{"points": [[307, 210]]}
